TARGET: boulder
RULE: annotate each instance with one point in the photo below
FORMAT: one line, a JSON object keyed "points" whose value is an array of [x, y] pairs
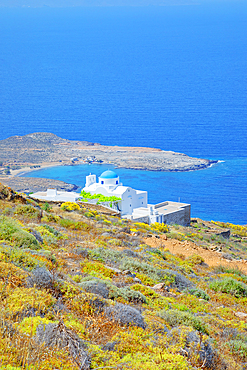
{"points": [[241, 315], [159, 286]]}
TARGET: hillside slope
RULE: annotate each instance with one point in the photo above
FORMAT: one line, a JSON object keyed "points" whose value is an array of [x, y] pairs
{"points": [[83, 289]]}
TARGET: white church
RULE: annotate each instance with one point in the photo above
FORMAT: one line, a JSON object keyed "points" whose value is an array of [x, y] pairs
{"points": [[110, 185], [133, 205]]}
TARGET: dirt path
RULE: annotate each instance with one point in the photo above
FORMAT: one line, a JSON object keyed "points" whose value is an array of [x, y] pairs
{"points": [[187, 248]]}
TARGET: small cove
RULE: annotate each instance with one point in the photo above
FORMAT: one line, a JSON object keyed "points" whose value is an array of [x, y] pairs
{"points": [[216, 193]]}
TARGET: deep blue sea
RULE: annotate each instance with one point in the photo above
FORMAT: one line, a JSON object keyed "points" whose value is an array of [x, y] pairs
{"points": [[172, 77]]}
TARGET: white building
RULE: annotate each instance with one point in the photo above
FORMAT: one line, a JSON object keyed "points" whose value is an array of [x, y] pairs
{"points": [[56, 196], [109, 185], [134, 204]]}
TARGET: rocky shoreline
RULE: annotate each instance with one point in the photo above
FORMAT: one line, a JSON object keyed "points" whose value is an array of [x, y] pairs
{"points": [[38, 150]]}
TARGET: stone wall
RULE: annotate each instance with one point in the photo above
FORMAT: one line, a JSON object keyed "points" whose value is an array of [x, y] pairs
{"points": [[144, 219], [180, 217]]}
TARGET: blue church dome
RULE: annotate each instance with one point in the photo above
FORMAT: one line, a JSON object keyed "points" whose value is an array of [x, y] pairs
{"points": [[109, 175]]}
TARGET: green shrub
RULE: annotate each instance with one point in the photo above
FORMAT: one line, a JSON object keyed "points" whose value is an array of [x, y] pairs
{"points": [[74, 225], [46, 207], [12, 231], [229, 270], [175, 318], [158, 253], [105, 255], [127, 294], [51, 230], [135, 265], [64, 222], [115, 242], [238, 347], [80, 225], [199, 293], [27, 210], [195, 259], [231, 286], [21, 258], [88, 214], [146, 291], [49, 217], [25, 240], [156, 274]]}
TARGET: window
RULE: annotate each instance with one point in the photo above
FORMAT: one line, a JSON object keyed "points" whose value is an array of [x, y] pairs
{"points": [[102, 182], [116, 182]]}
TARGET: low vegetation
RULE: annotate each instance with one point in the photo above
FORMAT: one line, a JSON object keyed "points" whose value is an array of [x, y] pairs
{"points": [[80, 289], [86, 196]]}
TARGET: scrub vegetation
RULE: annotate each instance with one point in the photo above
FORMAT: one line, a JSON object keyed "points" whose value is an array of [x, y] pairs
{"points": [[84, 289]]}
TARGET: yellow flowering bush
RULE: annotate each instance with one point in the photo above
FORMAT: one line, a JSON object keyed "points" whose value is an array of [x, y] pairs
{"points": [[162, 228], [30, 324], [70, 206], [92, 267], [26, 298]]}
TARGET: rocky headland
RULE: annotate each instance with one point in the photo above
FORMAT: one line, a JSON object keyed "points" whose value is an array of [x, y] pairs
{"points": [[25, 153]]}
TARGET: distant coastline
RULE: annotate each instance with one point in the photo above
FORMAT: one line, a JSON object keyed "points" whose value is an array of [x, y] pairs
{"points": [[23, 154], [47, 149]]}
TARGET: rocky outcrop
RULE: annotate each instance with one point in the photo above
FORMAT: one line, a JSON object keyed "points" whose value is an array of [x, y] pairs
{"points": [[41, 147], [8, 194]]}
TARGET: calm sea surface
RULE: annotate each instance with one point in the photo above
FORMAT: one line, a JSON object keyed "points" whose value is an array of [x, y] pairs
{"points": [[174, 78]]}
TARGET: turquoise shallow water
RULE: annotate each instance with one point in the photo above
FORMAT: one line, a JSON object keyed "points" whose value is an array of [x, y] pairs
{"points": [[216, 193]]}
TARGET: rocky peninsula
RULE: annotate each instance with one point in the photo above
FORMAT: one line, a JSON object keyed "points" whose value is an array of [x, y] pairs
{"points": [[25, 153]]}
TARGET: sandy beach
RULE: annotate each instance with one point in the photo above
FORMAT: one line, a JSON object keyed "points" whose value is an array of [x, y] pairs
{"points": [[24, 170]]}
